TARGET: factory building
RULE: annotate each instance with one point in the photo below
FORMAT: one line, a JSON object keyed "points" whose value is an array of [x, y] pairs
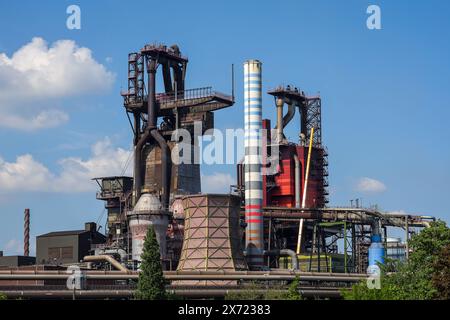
{"points": [[283, 215], [275, 223], [67, 247], [15, 261]]}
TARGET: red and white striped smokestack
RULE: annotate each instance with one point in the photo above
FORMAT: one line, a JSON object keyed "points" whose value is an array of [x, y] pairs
{"points": [[26, 233]]}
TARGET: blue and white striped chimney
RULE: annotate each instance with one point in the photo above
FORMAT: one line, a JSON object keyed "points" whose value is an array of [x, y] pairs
{"points": [[254, 239]]}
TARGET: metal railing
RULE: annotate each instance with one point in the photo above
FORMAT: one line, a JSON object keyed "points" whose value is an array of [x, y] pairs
{"points": [[196, 93], [190, 94]]}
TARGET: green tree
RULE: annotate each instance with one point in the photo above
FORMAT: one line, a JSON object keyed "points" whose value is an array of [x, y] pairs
{"points": [[2, 296], [411, 280], [441, 276], [151, 283]]}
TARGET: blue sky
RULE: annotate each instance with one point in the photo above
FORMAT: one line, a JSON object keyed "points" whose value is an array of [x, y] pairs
{"points": [[384, 92]]}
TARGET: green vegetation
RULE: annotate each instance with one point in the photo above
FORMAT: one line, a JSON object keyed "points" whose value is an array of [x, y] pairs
{"points": [[151, 284], [294, 292], [425, 276], [441, 276], [259, 292], [2, 296]]}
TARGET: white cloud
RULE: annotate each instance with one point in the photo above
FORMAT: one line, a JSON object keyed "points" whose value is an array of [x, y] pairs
{"points": [[37, 74], [24, 173], [104, 161], [44, 119], [27, 174], [217, 183], [370, 185], [14, 247]]}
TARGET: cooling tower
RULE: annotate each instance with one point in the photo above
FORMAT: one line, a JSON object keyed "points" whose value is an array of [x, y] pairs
{"points": [[211, 233]]}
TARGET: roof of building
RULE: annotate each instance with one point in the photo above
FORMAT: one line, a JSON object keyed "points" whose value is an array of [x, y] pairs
{"points": [[63, 233], [113, 178]]}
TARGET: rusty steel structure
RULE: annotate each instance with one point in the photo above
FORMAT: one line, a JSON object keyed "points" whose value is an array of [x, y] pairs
{"points": [[178, 107]]}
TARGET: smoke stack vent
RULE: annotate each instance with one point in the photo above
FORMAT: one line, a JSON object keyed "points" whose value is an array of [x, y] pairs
{"points": [[26, 233]]}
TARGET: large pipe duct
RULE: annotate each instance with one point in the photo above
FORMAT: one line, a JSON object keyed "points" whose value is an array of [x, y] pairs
{"points": [[107, 258], [166, 168], [252, 164], [151, 101], [120, 252], [288, 116], [138, 164], [279, 125], [151, 124], [297, 181], [285, 252], [26, 233]]}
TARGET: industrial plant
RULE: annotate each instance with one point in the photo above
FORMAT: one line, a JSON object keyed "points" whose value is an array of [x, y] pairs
{"points": [[275, 224]]}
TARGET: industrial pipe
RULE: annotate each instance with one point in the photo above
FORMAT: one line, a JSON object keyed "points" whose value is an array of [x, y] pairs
{"points": [[305, 189], [151, 124], [109, 259], [186, 293], [122, 253], [279, 126], [297, 181], [137, 164], [151, 100], [288, 116], [166, 168], [126, 274], [308, 164], [293, 255], [284, 252]]}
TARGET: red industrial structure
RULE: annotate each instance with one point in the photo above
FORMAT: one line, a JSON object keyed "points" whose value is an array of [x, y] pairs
{"points": [[282, 188]]}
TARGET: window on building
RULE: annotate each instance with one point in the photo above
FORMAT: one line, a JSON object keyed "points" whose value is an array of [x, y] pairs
{"points": [[60, 253]]}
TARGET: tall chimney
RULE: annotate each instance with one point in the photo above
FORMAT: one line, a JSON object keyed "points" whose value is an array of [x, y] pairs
{"points": [[26, 233], [254, 241]]}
